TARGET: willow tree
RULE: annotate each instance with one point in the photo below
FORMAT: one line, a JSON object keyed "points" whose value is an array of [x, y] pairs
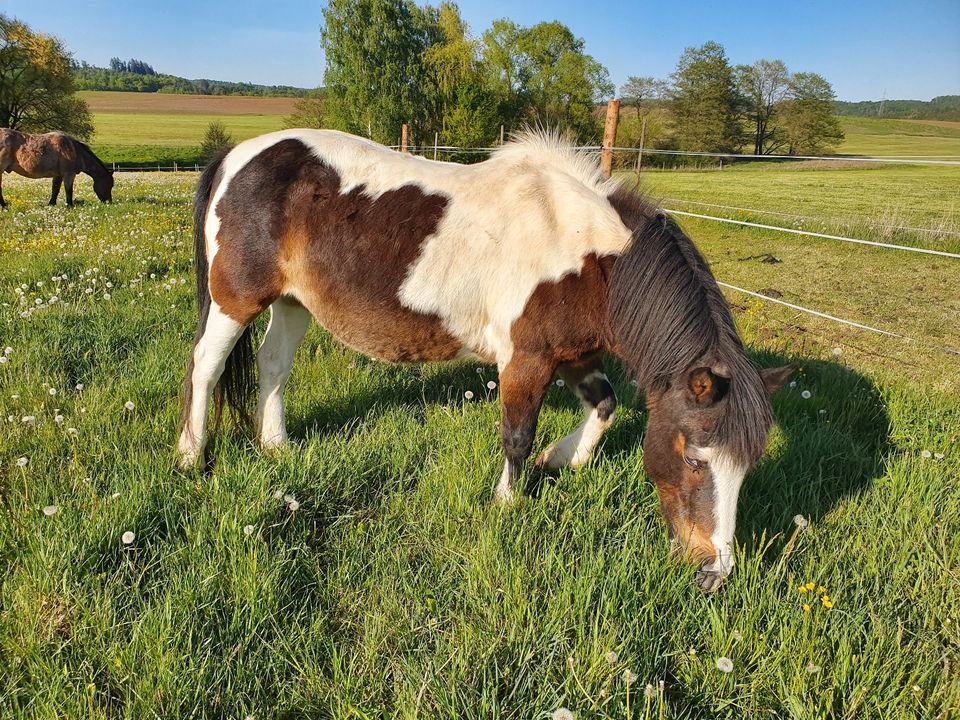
{"points": [[37, 91]]}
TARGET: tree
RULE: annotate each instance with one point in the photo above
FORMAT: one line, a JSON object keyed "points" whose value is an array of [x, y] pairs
{"points": [[309, 111], [807, 116], [763, 86], [374, 55], [637, 89], [704, 100], [215, 139], [37, 91], [542, 73]]}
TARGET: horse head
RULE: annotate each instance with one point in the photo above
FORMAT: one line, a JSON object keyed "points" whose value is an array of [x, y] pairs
{"points": [[103, 186]]}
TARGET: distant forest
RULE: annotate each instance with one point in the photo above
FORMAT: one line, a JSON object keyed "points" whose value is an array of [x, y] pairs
{"points": [[138, 76], [944, 107]]}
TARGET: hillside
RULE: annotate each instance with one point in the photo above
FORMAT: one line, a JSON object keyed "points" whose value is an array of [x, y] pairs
{"points": [[944, 107]]}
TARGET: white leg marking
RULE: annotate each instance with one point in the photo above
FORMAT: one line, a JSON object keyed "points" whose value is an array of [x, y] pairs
{"points": [[504, 491], [288, 325], [727, 477], [209, 357], [574, 450]]}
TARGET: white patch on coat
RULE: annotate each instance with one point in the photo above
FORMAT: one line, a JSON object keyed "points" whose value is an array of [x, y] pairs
{"points": [[528, 215], [503, 493], [288, 325], [727, 475]]}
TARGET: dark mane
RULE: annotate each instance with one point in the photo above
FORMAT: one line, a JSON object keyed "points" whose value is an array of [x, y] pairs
{"points": [[88, 153], [667, 316]]}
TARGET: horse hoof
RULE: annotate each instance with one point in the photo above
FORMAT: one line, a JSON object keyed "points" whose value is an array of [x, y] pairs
{"points": [[708, 581]]}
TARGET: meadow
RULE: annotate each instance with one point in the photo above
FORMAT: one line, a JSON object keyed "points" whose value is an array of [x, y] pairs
{"points": [[366, 573]]}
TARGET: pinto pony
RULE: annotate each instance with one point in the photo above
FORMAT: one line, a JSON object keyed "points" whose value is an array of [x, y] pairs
{"points": [[529, 260], [54, 155]]}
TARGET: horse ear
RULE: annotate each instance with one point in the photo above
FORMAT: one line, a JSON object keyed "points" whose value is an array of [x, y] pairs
{"points": [[704, 386], [773, 378]]}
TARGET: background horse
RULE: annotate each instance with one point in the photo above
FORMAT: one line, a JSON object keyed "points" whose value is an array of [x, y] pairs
{"points": [[55, 155], [528, 260]]}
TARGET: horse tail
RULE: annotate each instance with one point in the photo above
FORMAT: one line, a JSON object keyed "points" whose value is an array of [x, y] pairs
{"points": [[235, 386]]}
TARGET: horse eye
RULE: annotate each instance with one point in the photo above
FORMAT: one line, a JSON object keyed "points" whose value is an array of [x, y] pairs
{"points": [[697, 465]]}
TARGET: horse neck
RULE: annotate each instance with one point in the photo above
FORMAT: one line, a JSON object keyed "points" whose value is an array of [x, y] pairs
{"points": [[90, 164]]}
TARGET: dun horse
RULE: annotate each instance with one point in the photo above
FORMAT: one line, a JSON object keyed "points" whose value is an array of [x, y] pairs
{"points": [[52, 155], [528, 260]]}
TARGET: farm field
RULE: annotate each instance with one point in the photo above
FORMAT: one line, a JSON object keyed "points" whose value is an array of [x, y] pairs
{"points": [[901, 138], [396, 589]]}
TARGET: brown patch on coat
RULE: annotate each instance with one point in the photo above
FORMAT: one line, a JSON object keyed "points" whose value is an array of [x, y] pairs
{"points": [[566, 319], [287, 229]]}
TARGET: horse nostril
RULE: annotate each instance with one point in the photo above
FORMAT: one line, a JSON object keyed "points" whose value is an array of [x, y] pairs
{"points": [[708, 581]]}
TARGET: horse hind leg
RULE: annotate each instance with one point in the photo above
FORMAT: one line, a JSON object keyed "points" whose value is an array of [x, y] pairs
{"points": [[215, 341], [68, 187], [55, 192], [588, 382], [288, 324]]}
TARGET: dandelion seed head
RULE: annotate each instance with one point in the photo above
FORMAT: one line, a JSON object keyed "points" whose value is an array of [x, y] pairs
{"points": [[560, 382], [128, 405], [612, 657], [629, 676], [724, 664], [468, 395], [79, 386], [248, 529], [737, 635], [813, 668], [926, 454], [22, 462], [649, 691], [72, 431], [293, 505], [938, 456], [52, 391], [58, 419], [29, 419], [793, 383], [800, 521], [491, 385], [806, 395], [563, 714], [4, 359], [128, 537], [50, 510]]}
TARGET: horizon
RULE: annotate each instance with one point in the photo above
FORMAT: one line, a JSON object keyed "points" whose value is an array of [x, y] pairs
{"points": [[859, 68]]}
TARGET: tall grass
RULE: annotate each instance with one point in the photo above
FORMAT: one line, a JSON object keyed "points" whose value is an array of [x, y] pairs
{"points": [[396, 588]]}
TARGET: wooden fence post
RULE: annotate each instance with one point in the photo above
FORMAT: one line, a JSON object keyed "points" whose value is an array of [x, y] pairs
{"points": [[436, 141], [404, 135], [609, 138]]}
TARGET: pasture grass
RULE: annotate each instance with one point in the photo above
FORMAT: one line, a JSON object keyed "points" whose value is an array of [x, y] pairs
{"points": [[904, 138], [397, 589]]}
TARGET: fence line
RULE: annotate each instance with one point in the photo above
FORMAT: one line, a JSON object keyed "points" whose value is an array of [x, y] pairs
{"points": [[793, 231], [810, 311], [931, 231]]}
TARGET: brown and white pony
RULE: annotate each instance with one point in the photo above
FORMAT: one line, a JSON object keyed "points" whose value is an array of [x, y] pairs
{"points": [[56, 155], [528, 260]]}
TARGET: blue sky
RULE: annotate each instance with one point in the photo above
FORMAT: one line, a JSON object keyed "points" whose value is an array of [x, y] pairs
{"points": [[905, 50]]}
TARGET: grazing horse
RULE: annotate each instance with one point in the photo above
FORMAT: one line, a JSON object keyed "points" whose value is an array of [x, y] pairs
{"points": [[56, 155], [529, 260]]}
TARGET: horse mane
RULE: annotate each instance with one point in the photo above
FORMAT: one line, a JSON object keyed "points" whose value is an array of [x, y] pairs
{"points": [[667, 314], [88, 154], [548, 149]]}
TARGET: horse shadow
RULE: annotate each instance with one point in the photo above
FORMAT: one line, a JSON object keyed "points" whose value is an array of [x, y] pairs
{"points": [[831, 441]]}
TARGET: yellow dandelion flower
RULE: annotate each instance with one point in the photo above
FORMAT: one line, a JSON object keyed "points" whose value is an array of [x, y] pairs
{"points": [[827, 602], [806, 608], [821, 589], [802, 589], [811, 585]]}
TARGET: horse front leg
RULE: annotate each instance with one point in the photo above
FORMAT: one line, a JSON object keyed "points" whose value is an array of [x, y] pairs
{"points": [[56, 190], [3, 203], [523, 384], [586, 380], [68, 186]]}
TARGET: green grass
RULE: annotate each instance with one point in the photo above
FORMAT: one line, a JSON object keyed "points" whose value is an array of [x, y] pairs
{"points": [[905, 138], [398, 589]]}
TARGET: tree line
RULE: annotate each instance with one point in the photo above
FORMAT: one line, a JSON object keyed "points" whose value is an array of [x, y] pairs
{"points": [[942, 107], [138, 76], [390, 62]]}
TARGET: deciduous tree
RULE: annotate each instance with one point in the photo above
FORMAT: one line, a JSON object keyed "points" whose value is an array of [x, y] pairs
{"points": [[807, 116], [704, 101], [763, 86], [36, 83]]}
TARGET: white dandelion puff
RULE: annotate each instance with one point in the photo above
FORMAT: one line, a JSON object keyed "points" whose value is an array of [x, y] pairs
{"points": [[649, 692], [563, 714], [938, 456], [4, 359], [22, 462], [560, 382], [79, 386], [115, 496], [800, 521], [277, 494], [248, 529], [50, 510], [793, 383], [72, 432], [491, 385], [106, 296], [837, 351], [293, 505], [128, 537], [926, 454], [128, 405], [468, 395], [7, 350], [52, 391], [29, 419], [737, 635], [629, 676], [612, 657], [812, 668], [806, 394], [58, 419], [724, 664], [823, 411]]}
